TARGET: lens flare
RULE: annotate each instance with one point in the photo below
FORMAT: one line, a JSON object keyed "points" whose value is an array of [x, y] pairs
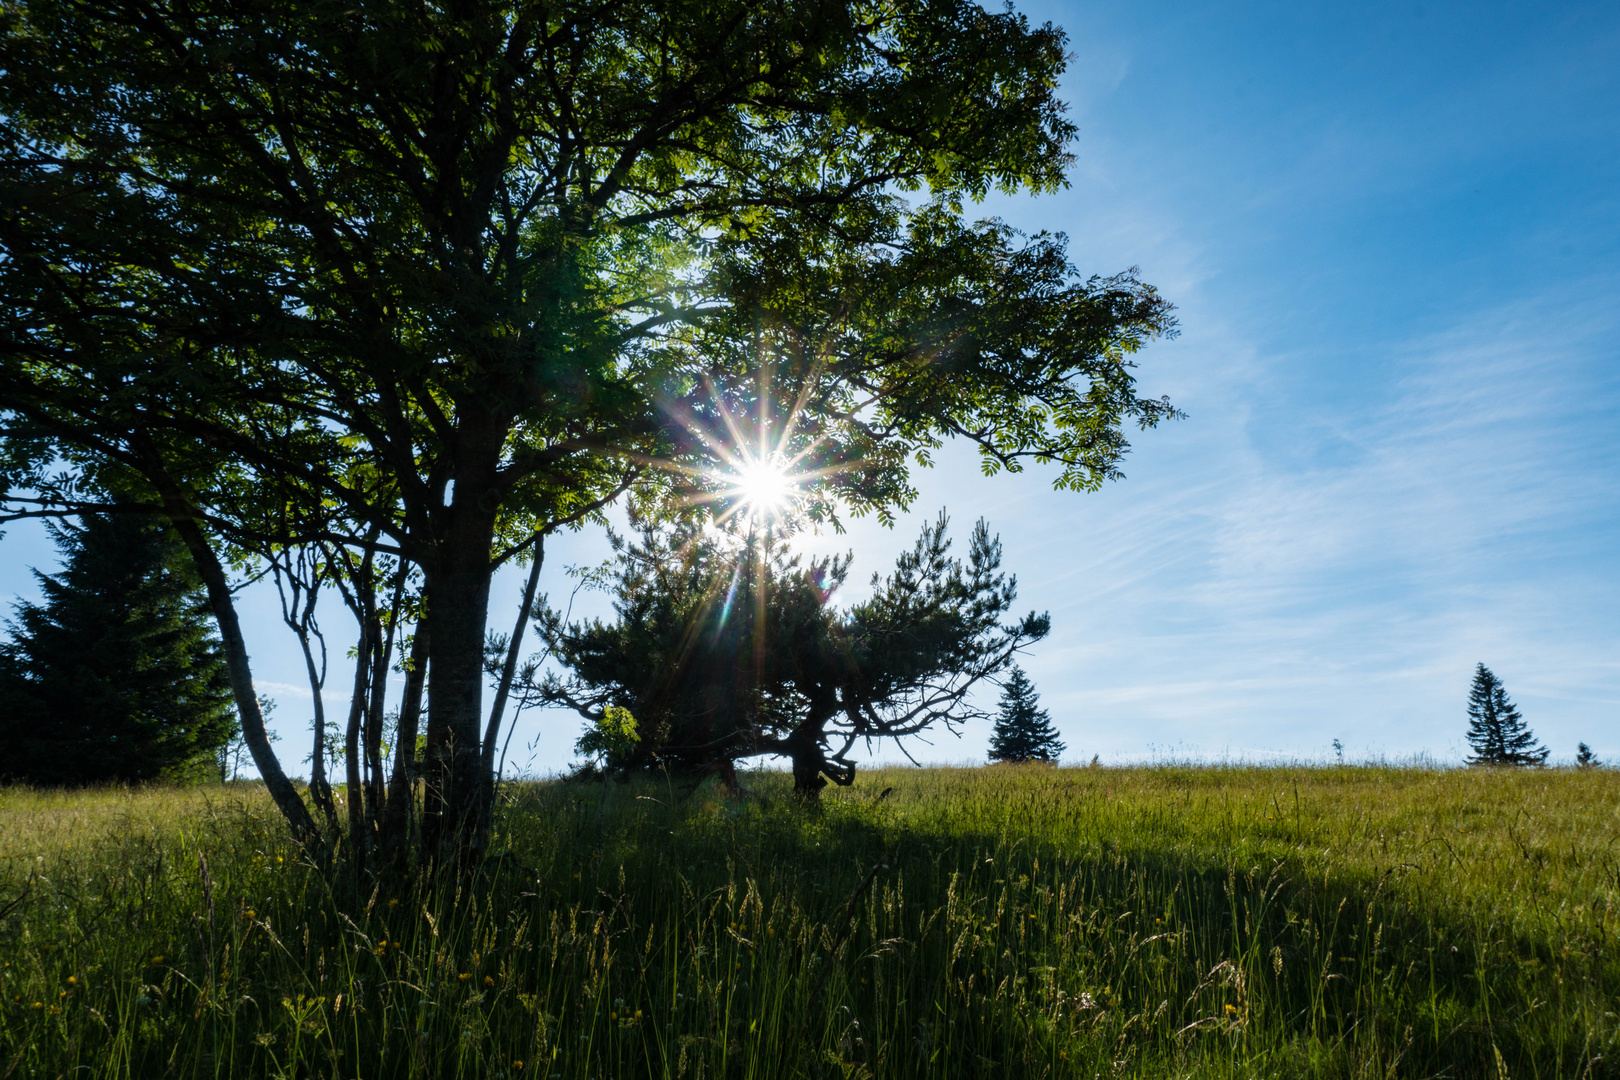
{"points": [[764, 486]]}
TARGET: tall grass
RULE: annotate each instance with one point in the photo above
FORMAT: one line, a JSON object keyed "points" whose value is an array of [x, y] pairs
{"points": [[977, 922]]}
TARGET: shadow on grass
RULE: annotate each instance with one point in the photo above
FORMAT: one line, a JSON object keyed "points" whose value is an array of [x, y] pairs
{"points": [[633, 931]]}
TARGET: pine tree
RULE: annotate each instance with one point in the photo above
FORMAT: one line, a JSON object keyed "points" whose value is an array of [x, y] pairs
{"points": [[1584, 758], [1023, 730], [116, 675], [1496, 730]]}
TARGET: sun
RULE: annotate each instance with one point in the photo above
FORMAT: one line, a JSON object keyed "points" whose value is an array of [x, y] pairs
{"points": [[764, 486]]}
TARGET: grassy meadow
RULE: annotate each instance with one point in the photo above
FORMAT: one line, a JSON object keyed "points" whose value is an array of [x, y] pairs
{"points": [[1000, 922]]}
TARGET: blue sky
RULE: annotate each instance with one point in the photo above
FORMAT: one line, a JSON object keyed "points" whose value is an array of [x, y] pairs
{"points": [[1393, 236]]}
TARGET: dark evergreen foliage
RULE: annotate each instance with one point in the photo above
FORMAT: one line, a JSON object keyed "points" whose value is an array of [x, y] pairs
{"points": [[116, 676], [1496, 730], [726, 647], [1584, 758], [1023, 730]]}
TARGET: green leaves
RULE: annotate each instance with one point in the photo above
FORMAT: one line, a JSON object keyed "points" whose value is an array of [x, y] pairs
{"points": [[425, 282], [324, 220], [612, 738]]}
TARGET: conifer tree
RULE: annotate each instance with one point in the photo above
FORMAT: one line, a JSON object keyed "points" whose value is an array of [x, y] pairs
{"points": [[115, 676], [1023, 730], [727, 646], [1496, 729], [1584, 758]]}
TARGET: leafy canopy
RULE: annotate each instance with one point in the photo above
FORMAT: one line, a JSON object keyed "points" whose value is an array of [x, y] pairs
{"points": [[423, 282], [337, 256]]}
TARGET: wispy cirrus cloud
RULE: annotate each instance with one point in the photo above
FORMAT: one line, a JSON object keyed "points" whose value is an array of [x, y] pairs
{"points": [[1466, 517]]}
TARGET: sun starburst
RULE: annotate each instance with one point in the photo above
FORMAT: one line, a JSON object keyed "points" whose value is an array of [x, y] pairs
{"points": [[763, 467], [764, 486]]}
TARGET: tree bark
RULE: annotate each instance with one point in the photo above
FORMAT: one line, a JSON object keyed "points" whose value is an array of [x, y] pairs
{"points": [[320, 789], [299, 615], [281, 789], [805, 751], [514, 644], [457, 579], [397, 818], [354, 794], [383, 655]]}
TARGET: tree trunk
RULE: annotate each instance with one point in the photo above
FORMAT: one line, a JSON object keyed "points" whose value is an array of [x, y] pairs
{"points": [[354, 794], [457, 579], [805, 751], [397, 817], [514, 645], [281, 789], [320, 789], [383, 655], [299, 615]]}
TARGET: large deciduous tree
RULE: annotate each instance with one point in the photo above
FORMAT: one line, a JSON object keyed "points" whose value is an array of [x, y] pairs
{"points": [[422, 283]]}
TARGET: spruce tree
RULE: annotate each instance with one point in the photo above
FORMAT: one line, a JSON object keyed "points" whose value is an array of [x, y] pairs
{"points": [[1496, 730], [1023, 730], [116, 675], [1584, 758]]}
